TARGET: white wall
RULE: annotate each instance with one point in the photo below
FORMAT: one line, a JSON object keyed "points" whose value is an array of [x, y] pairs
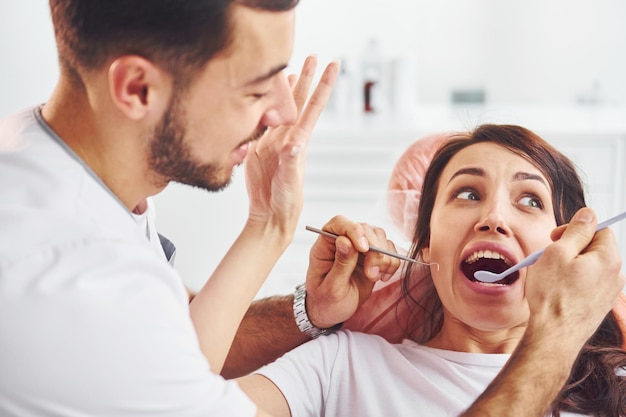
{"points": [[28, 64], [531, 51], [519, 51], [548, 51]]}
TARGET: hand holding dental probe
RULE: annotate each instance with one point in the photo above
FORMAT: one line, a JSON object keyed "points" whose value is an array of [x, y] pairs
{"points": [[490, 277], [372, 248]]}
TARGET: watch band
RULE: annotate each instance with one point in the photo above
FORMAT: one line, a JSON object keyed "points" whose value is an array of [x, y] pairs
{"points": [[302, 318]]}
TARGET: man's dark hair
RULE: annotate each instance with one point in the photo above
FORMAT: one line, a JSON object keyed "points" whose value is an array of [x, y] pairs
{"points": [[178, 35]]}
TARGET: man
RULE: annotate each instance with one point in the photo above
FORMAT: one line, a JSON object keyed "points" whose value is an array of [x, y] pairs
{"points": [[93, 321]]}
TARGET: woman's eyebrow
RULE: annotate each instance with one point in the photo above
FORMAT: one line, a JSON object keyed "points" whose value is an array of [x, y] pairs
{"points": [[524, 176], [519, 176], [468, 171]]}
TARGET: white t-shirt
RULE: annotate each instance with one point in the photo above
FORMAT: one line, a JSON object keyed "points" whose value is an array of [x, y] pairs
{"points": [[147, 224], [357, 374], [93, 321]]}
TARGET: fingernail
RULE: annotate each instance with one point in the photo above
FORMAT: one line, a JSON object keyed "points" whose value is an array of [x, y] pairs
{"points": [[585, 216], [363, 242]]}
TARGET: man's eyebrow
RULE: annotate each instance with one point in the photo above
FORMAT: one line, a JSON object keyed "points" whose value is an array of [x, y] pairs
{"points": [[267, 75]]}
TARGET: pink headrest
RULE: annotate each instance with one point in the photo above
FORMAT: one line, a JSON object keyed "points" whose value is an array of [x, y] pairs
{"points": [[405, 183]]}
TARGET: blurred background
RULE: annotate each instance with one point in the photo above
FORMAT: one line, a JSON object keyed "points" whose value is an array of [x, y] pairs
{"points": [[532, 51], [555, 66]]}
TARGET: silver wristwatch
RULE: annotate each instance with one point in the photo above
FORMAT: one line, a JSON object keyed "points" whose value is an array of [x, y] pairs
{"points": [[302, 318]]}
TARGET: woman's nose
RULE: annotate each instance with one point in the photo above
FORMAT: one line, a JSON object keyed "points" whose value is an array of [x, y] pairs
{"points": [[493, 221]]}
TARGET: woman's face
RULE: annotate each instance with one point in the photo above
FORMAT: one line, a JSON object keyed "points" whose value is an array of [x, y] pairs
{"points": [[492, 209]]}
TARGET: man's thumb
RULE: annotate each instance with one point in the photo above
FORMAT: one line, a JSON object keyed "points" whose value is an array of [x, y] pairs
{"points": [[581, 229], [346, 258]]}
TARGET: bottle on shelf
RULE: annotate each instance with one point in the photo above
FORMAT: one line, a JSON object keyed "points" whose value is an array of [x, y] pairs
{"points": [[372, 67]]}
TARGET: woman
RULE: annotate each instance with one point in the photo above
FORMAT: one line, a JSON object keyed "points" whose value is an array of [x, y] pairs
{"points": [[490, 198]]}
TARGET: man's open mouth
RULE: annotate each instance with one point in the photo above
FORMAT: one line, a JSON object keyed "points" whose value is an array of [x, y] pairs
{"points": [[488, 261]]}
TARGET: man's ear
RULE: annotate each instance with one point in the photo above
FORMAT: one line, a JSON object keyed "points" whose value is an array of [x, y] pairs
{"points": [[138, 87]]}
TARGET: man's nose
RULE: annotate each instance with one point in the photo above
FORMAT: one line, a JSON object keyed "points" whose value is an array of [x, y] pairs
{"points": [[283, 110]]}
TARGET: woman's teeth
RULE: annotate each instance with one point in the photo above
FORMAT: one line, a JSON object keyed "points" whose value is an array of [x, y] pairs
{"points": [[486, 254]]}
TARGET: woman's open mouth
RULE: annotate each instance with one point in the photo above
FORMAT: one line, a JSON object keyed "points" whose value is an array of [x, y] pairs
{"points": [[488, 261]]}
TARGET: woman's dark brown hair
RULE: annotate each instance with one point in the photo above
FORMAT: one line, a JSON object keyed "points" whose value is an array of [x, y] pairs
{"points": [[593, 388]]}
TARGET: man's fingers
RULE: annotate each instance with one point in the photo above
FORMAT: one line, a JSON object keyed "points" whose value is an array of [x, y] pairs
{"points": [[578, 233], [319, 98], [300, 133], [376, 265], [558, 232], [346, 259], [303, 84]]}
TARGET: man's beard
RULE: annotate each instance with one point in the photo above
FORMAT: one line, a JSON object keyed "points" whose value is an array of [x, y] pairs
{"points": [[171, 158]]}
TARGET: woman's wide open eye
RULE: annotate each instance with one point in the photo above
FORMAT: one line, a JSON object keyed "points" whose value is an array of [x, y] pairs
{"points": [[466, 194], [531, 201]]}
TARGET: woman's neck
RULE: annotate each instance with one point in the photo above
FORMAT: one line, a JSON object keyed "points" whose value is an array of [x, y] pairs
{"points": [[459, 337]]}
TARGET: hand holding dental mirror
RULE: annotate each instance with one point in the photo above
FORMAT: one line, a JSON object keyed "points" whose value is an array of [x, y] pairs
{"points": [[490, 277]]}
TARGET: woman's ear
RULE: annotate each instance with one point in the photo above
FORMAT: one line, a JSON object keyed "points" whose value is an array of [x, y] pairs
{"points": [[138, 87], [426, 254]]}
